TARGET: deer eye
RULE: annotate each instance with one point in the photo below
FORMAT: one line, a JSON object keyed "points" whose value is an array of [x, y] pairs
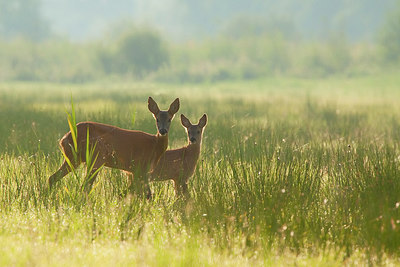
{"points": [[198, 132]]}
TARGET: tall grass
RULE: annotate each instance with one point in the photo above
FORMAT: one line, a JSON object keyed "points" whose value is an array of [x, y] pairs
{"points": [[78, 150], [292, 172]]}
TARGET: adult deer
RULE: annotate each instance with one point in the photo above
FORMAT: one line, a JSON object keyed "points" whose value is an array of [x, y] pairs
{"points": [[180, 164], [133, 151]]}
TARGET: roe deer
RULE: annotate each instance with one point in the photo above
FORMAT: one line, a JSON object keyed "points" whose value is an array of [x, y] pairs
{"points": [[133, 151], [180, 164]]}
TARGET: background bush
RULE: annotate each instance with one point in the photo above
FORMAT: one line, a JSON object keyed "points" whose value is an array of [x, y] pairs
{"points": [[137, 52]]}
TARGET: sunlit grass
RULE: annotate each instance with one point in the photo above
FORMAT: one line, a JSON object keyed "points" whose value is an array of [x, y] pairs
{"points": [[292, 172]]}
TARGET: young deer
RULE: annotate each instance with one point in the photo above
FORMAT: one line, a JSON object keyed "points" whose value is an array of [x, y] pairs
{"points": [[133, 151], [180, 164]]}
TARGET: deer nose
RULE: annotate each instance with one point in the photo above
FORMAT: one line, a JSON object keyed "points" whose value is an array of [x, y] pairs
{"points": [[192, 139], [163, 131]]}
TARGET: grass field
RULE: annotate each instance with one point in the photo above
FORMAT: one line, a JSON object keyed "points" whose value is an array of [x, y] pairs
{"points": [[292, 172]]}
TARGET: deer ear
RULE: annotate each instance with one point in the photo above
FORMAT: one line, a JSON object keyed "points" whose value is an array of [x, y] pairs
{"points": [[174, 107], [203, 121], [185, 121], [153, 107]]}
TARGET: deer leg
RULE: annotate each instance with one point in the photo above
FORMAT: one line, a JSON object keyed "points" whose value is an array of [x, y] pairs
{"points": [[149, 194], [185, 191], [146, 185], [144, 188], [140, 185], [131, 183], [91, 177], [59, 174], [181, 188]]}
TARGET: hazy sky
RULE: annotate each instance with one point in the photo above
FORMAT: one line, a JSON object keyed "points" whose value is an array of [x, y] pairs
{"points": [[186, 19]]}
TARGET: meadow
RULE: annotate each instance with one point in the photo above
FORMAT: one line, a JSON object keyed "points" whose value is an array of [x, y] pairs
{"points": [[293, 171]]}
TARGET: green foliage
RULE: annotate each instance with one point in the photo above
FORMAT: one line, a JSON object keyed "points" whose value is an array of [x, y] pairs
{"points": [[254, 57], [254, 45], [325, 60], [90, 149], [137, 52], [226, 59], [298, 171], [54, 61], [142, 54]]}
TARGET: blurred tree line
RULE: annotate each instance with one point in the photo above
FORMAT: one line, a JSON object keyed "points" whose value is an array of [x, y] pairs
{"points": [[245, 48]]}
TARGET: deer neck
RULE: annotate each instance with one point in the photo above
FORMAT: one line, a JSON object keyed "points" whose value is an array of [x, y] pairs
{"points": [[162, 141], [193, 151]]}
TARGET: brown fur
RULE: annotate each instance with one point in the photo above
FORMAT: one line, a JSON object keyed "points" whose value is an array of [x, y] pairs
{"points": [[179, 164], [129, 150]]}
